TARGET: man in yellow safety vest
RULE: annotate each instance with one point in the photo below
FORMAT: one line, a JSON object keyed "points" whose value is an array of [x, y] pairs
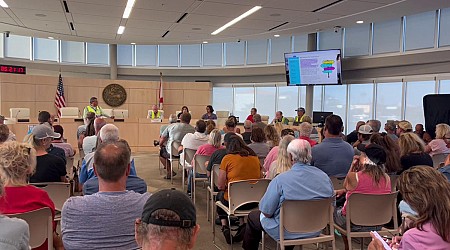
{"points": [[94, 108], [155, 113], [300, 115]]}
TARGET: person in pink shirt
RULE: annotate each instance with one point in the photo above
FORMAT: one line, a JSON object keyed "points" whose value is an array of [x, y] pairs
{"points": [[439, 145], [427, 192], [273, 153]]}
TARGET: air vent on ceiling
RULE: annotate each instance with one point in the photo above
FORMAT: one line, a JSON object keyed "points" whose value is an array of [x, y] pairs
{"points": [[278, 26], [327, 6], [71, 26], [165, 34], [182, 17], [66, 7]]}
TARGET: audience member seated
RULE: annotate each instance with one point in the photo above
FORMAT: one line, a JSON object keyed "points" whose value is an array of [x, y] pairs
{"points": [[60, 142], [427, 138], [49, 168], [403, 127], [240, 163], [257, 122], [300, 116], [353, 136], [412, 151], [272, 155], [217, 156], [17, 162], [4, 133], [283, 161], [46, 118], [104, 219], [419, 130], [333, 155], [184, 110], [375, 125], [108, 133], [172, 119], [259, 145], [11, 135], [364, 133], [90, 142], [250, 117], [439, 145], [208, 149], [82, 129], [446, 168], [427, 192], [230, 127], [247, 132], [390, 129], [14, 232], [302, 182], [392, 165], [272, 136], [210, 126], [167, 222], [174, 132], [155, 114], [279, 118], [194, 140], [209, 115], [305, 133], [366, 176]]}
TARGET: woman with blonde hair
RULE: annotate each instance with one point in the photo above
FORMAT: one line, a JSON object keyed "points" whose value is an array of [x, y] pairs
{"points": [[283, 162], [412, 151], [272, 136], [17, 162], [439, 145]]}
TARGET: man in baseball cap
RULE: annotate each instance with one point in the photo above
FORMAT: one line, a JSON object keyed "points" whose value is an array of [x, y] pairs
{"points": [[168, 222], [299, 118]]}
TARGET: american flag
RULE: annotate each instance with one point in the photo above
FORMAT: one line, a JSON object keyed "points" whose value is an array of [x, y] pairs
{"points": [[60, 101], [161, 96]]}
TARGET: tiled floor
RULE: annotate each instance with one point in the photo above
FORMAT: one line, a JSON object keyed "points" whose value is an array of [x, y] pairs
{"points": [[147, 168]]}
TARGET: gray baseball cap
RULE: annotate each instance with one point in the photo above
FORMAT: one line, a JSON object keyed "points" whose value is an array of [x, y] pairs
{"points": [[43, 131]]}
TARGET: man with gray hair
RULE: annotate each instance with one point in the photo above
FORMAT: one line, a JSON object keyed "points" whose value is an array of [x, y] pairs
{"points": [[305, 133], [247, 131], [302, 182], [258, 122], [168, 222], [105, 219], [375, 125]]}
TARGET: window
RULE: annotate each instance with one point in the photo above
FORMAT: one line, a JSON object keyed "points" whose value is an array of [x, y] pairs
{"points": [[415, 91], [279, 46], [444, 87], [265, 101], [145, 55], [244, 100], [389, 102], [223, 99], [235, 53], [360, 103], [330, 40], [357, 40], [257, 52], [317, 103], [97, 53], [190, 55], [336, 100], [386, 36], [125, 55], [168, 55], [419, 33], [288, 100], [300, 43], [72, 52], [212, 54], [45, 49], [18, 46], [444, 29], [302, 96]]}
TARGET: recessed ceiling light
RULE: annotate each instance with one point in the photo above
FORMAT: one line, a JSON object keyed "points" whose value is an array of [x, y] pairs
{"points": [[360, 22], [121, 30], [133, 43], [128, 8], [51, 38], [205, 41], [237, 19], [3, 4], [196, 28], [40, 15], [276, 35], [275, 14]]}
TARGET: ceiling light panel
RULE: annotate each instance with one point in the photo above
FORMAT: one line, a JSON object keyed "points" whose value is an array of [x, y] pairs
{"points": [[121, 30], [128, 8], [237, 19], [3, 4]]}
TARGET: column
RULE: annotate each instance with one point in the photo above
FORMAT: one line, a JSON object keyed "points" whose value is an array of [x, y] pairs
{"points": [[312, 46], [113, 61]]}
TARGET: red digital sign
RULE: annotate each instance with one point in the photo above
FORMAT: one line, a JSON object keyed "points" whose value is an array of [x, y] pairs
{"points": [[13, 69]]}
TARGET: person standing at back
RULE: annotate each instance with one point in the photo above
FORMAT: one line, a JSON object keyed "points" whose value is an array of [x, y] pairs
{"points": [[333, 156]]}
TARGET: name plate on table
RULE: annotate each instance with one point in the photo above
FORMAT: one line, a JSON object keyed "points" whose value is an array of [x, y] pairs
{"points": [[156, 120], [78, 120], [119, 120]]}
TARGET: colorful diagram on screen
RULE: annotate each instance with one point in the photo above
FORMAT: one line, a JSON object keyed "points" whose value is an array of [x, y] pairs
{"points": [[327, 66]]}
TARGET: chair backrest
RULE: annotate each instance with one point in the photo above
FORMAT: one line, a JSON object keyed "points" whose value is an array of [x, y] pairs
{"points": [[58, 192], [108, 112], [189, 154], [245, 192], [120, 113], [372, 209], [40, 223], [69, 166], [222, 114], [261, 160], [306, 216], [338, 183], [175, 145], [215, 174], [19, 113], [70, 112], [438, 159], [393, 182], [199, 161]]}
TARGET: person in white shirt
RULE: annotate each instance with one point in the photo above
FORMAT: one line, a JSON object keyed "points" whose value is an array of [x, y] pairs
{"points": [[194, 140]]}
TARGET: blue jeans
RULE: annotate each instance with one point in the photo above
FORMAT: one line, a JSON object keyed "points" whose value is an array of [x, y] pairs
{"points": [[190, 178]]}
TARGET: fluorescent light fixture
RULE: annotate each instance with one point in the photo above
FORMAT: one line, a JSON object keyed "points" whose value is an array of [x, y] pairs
{"points": [[276, 35], [359, 22], [128, 8], [121, 30], [3, 4], [133, 43], [237, 19], [51, 38], [205, 41]]}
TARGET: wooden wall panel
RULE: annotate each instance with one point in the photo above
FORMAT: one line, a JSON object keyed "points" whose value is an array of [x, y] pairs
{"points": [[16, 92]]}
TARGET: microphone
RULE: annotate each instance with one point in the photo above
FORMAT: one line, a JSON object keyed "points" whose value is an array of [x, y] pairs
{"points": [[79, 113], [17, 114], [123, 116]]}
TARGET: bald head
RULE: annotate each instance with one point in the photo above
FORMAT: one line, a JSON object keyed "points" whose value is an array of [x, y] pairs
{"points": [[111, 160], [98, 124], [248, 125]]}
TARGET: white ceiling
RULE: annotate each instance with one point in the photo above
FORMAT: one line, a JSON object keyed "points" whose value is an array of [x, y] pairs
{"points": [[98, 20]]}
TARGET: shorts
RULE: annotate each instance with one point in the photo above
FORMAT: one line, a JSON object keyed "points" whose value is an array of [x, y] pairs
{"points": [[163, 153]]}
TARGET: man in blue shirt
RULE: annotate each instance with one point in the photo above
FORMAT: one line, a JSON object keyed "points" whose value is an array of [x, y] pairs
{"points": [[302, 182]]}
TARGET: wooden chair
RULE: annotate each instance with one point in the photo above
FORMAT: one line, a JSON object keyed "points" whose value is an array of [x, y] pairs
{"points": [[241, 193], [304, 217], [40, 223], [211, 194], [369, 210], [200, 168], [188, 156]]}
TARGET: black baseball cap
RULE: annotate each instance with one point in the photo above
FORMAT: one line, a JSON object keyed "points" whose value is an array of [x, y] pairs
{"points": [[173, 200], [375, 152], [300, 109]]}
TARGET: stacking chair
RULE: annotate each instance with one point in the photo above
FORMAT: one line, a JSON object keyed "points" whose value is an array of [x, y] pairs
{"points": [[200, 168], [58, 192], [174, 156], [69, 167], [211, 194], [304, 217], [188, 156], [41, 226], [369, 210], [338, 183], [241, 193], [438, 159]]}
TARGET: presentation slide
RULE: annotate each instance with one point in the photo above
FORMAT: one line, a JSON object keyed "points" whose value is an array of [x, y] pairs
{"points": [[313, 68]]}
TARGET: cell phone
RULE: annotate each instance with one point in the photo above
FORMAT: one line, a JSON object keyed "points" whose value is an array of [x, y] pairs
{"points": [[385, 245]]}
